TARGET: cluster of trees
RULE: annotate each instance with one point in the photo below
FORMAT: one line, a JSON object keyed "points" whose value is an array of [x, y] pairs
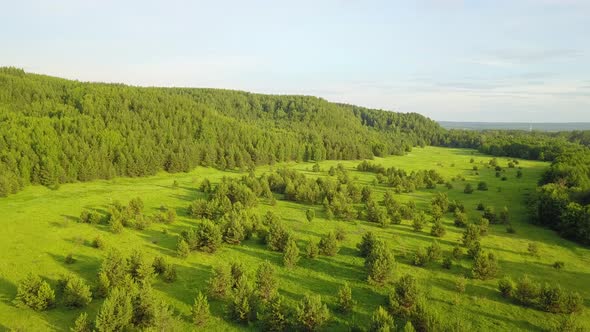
{"points": [[400, 179], [54, 131], [550, 298]]}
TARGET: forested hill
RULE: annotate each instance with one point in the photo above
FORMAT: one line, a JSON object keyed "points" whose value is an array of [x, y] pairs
{"points": [[54, 130]]}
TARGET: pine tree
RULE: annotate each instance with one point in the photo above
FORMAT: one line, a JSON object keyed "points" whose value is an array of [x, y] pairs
{"points": [[34, 293], [116, 312], [485, 266], [312, 249], [220, 282], [291, 255], [404, 297], [242, 307], [275, 316], [380, 263], [81, 324], [200, 310], [182, 248], [367, 242], [345, 301], [311, 313], [76, 293], [310, 214], [266, 282], [381, 321], [329, 245]]}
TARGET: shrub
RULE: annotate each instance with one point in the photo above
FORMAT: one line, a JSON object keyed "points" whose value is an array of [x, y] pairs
{"points": [[504, 216], [468, 189], [98, 242], [419, 221], [200, 310], [312, 249], [381, 321], [340, 234], [470, 235], [484, 226], [447, 262], [480, 206], [460, 284], [490, 214], [329, 245], [170, 273], [434, 251], [457, 252], [461, 219], [485, 266], [34, 293], [266, 282], [278, 236], [116, 312], [274, 316], [70, 259], [482, 186], [82, 324], [551, 298], [573, 302], [208, 236], [380, 263], [404, 296], [345, 301], [526, 291], [291, 255], [182, 248], [438, 229], [76, 293], [420, 257], [533, 249], [506, 287], [311, 313], [220, 282], [558, 265], [242, 306], [510, 229], [310, 214]]}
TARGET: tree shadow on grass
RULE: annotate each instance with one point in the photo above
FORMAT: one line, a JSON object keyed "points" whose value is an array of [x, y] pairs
{"points": [[7, 291]]}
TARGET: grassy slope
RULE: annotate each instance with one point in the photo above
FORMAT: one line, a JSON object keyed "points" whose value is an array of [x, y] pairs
{"points": [[39, 230]]}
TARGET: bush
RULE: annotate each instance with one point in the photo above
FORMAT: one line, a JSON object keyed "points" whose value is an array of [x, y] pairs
{"points": [[182, 248], [447, 263], [311, 313], [438, 229], [533, 249], [340, 234], [484, 226], [291, 255], [434, 251], [419, 221], [490, 214], [208, 236], [266, 282], [82, 324], [480, 206], [200, 310], [34, 293], [404, 296], [485, 266], [345, 301], [220, 282], [482, 186], [461, 219], [329, 245], [558, 265], [468, 189], [274, 317], [242, 306], [98, 242], [470, 235], [170, 273], [506, 287], [76, 293], [420, 257], [526, 291], [461, 284], [70, 259], [551, 298], [310, 214], [312, 249], [381, 321], [278, 236], [116, 312], [380, 263], [457, 252]]}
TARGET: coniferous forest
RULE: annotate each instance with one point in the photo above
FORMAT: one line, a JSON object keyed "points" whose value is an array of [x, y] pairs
{"points": [[170, 209]]}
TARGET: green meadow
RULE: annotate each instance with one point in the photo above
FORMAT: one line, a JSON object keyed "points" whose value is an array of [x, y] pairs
{"points": [[39, 229]]}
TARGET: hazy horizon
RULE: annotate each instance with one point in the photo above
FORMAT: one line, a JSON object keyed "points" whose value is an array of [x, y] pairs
{"points": [[451, 60]]}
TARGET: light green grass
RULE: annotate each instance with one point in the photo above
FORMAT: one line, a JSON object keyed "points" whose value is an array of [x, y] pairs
{"points": [[38, 229]]}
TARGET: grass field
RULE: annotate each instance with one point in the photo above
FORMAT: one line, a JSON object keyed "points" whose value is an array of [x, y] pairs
{"points": [[39, 229]]}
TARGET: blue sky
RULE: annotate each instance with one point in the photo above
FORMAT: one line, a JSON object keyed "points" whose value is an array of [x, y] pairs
{"points": [[516, 60]]}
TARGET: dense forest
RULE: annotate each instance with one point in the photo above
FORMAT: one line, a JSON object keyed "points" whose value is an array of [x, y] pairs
{"points": [[56, 131]]}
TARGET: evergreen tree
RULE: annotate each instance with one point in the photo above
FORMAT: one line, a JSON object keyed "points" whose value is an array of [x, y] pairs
{"points": [[200, 310], [275, 317], [242, 306], [266, 282], [345, 301], [82, 324], [310, 214], [311, 313], [220, 282], [380, 263], [34, 293], [76, 293], [312, 249], [438, 229], [116, 312], [291, 255], [404, 297], [485, 266], [366, 245], [329, 244], [381, 321], [419, 221], [182, 248]]}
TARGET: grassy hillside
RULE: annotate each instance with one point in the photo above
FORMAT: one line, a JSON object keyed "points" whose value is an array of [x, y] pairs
{"points": [[39, 229]]}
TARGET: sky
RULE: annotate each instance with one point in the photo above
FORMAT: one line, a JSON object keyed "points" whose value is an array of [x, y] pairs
{"points": [[479, 60]]}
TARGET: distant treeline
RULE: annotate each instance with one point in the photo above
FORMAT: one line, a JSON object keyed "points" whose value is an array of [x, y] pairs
{"points": [[55, 131]]}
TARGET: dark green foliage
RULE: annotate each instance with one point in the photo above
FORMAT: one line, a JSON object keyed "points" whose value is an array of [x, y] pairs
{"points": [[98, 242], [480, 206], [170, 273], [447, 262], [484, 226], [114, 267], [274, 315], [291, 254], [140, 268], [533, 249], [367, 242], [206, 237], [237, 271], [70, 259], [457, 252], [34, 293], [420, 257], [434, 251], [220, 282], [200, 310], [490, 214], [345, 301], [266, 282], [460, 219], [482, 186], [311, 313], [116, 312], [381, 321], [468, 189], [182, 248], [205, 186], [471, 235], [485, 266], [380, 263], [278, 236], [328, 245], [526, 291], [242, 306], [404, 296], [340, 234], [76, 293]]}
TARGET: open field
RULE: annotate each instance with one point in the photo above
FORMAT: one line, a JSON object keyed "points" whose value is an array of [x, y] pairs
{"points": [[39, 230]]}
